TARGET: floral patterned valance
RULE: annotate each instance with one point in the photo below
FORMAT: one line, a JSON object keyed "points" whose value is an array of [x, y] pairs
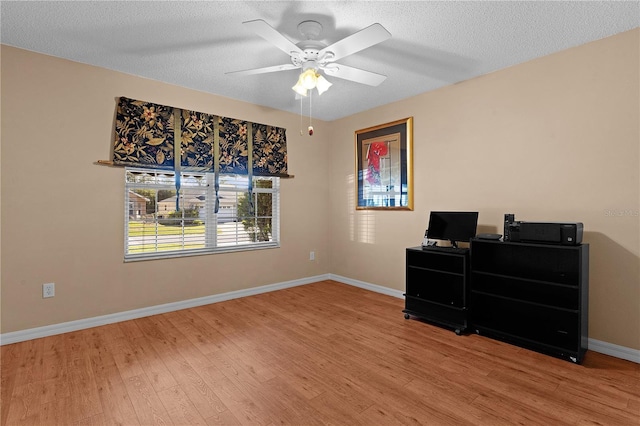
{"points": [[145, 135]]}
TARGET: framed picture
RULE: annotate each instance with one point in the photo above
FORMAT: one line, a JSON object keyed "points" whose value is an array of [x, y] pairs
{"points": [[384, 177]]}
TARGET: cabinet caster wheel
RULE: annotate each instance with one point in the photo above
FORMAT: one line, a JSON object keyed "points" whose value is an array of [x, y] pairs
{"points": [[407, 316], [458, 331]]}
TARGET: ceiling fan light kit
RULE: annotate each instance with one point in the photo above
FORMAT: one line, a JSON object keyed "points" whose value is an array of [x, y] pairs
{"points": [[322, 84], [309, 80]]}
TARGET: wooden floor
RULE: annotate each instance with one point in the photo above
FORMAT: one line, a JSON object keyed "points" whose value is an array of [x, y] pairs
{"points": [[324, 353]]}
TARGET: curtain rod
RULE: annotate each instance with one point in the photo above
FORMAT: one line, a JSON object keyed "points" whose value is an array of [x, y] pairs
{"points": [[110, 164]]}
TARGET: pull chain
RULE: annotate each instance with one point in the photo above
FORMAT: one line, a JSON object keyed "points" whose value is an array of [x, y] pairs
{"points": [[301, 116], [310, 129]]}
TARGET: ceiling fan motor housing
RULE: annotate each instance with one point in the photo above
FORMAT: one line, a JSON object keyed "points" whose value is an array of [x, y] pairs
{"points": [[310, 52], [309, 58]]}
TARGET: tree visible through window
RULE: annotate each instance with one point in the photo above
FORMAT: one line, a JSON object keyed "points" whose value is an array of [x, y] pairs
{"points": [[160, 222], [257, 225]]}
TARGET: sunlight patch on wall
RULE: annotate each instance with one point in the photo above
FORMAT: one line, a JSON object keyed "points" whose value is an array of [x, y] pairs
{"points": [[351, 206], [366, 227], [362, 223]]}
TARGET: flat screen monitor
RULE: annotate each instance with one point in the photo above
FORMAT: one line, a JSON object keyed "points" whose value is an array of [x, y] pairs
{"points": [[452, 226]]}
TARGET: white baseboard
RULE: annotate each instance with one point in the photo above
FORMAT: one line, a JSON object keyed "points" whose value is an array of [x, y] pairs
{"points": [[368, 286], [614, 350], [617, 351], [66, 327]]}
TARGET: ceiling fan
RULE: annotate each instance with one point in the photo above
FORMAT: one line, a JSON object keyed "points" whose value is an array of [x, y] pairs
{"points": [[313, 56]]}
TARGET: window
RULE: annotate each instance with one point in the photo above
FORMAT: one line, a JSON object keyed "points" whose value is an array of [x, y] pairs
{"points": [[156, 228]]}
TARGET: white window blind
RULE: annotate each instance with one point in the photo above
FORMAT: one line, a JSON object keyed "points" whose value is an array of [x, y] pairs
{"points": [[155, 227]]}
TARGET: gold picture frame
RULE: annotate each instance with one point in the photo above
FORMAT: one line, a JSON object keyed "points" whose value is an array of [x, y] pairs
{"points": [[384, 166]]}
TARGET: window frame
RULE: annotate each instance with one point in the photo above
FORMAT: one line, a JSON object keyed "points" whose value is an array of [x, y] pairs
{"points": [[211, 219]]}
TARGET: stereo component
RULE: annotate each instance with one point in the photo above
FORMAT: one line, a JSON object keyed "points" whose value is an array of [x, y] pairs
{"points": [[569, 234], [564, 233]]}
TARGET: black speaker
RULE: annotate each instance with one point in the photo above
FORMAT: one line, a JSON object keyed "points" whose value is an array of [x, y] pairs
{"points": [[509, 218]]}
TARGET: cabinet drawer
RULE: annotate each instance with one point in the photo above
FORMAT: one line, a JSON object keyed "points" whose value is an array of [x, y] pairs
{"points": [[440, 287], [558, 264], [446, 262], [540, 324], [436, 312], [553, 295]]}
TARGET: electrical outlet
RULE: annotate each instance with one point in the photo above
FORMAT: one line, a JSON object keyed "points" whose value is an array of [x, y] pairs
{"points": [[312, 255], [48, 290]]}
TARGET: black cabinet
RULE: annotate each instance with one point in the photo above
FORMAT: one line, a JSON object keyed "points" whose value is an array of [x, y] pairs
{"points": [[436, 286], [532, 295]]}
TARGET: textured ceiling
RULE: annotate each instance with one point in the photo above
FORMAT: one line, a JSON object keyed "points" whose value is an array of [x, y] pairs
{"points": [[194, 43]]}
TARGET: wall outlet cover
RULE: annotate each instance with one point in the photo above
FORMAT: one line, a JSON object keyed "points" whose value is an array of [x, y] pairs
{"points": [[48, 290]]}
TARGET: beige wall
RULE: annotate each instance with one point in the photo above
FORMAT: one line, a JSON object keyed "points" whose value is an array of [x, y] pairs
{"points": [[554, 139], [57, 120]]}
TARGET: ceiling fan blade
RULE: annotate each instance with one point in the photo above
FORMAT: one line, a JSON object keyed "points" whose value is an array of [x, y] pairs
{"points": [[356, 42], [354, 74], [283, 67], [270, 34]]}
